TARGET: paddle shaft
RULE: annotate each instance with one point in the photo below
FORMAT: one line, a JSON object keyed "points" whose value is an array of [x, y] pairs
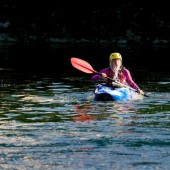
{"points": [[118, 83], [121, 85]]}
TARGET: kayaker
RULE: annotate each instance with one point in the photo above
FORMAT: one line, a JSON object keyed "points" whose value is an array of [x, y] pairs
{"points": [[117, 72]]}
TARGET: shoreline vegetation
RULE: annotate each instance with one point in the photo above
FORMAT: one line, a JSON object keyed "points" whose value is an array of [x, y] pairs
{"points": [[6, 39]]}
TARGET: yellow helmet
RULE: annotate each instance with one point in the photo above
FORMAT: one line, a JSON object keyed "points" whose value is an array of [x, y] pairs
{"points": [[115, 56]]}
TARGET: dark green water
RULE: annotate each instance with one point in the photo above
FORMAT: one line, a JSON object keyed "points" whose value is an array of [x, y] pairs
{"points": [[53, 123]]}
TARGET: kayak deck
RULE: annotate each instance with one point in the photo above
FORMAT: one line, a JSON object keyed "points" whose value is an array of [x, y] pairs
{"points": [[108, 93]]}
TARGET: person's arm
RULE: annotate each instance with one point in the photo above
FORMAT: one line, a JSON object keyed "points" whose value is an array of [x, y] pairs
{"points": [[104, 73], [95, 78], [131, 82]]}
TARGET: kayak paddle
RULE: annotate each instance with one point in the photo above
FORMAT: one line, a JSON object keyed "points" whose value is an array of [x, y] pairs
{"points": [[87, 68]]}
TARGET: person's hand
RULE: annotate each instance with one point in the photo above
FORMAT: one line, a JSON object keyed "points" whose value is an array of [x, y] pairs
{"points": [[141, 92], [103, 75]]}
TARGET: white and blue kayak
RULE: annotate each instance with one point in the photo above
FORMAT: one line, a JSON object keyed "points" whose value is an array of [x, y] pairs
{"points": [[108, 93]]}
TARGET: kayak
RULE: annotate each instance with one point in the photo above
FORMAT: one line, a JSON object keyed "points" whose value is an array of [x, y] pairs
{"points": [[108, 93]]}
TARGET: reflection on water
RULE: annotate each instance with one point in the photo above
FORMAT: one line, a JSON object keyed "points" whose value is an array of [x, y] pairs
{"points": [[52, 123]]}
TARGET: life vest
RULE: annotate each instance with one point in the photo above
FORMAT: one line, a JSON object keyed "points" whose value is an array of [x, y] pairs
{"points": [[121, 78]]}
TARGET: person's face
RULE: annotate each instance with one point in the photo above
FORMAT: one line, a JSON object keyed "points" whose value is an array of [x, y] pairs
{"points": [[116, 63]]}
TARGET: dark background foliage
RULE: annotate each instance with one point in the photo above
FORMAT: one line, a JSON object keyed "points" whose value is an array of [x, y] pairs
{"points": [[140, 21], [46, 31]]}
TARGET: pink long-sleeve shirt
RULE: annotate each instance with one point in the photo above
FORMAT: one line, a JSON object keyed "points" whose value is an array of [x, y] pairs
{"points": [[126, 74]]}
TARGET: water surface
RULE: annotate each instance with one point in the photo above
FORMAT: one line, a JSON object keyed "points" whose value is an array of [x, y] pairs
{"points": [[53, 123]]}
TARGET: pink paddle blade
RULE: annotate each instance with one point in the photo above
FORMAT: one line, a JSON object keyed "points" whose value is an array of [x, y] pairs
{"points": [[82, 65]]}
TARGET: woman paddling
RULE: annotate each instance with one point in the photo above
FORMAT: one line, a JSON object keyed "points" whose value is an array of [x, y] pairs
{"points": [[117, 72]]}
